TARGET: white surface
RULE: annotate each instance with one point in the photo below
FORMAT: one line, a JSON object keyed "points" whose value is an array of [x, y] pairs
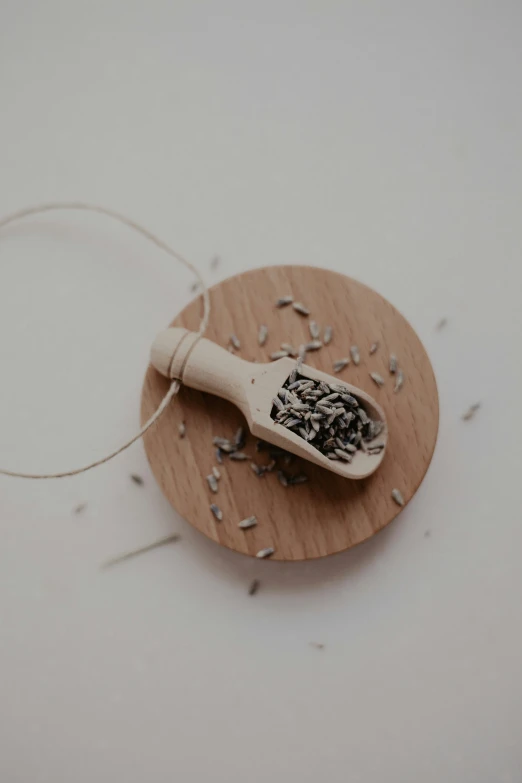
{"points": [[380, 139]]}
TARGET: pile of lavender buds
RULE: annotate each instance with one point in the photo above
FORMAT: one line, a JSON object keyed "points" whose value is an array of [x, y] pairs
{"points": [[327, 416]]}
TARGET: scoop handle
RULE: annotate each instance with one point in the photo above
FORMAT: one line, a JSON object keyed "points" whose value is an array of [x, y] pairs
{"points": [[202, 365]]}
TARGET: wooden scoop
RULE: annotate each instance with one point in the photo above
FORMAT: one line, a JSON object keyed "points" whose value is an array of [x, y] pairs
{"points": [[205, 366]]}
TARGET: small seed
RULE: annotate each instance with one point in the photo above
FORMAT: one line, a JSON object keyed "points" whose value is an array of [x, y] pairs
{"points": [[195, 286], [254, 587], [363, 416], [262, 334], [399, 381], [393, 364], [314, 330], [235, 342], [441, 324], [278, 404], [327, 335], [216, 473], [221, 442], [239, 456], [290, 350], [314, 345], [278, 355], [397, 496], [182, 429], [471, 411], [324, 408], [317, 645], [282, 478], [216, 511], [374, 347], [81, 507], [265, 552], [379, 380], [284, 300], [301, 356], [239, 438], [259, 470], [300, 308], [219, 456], [354, 350], [211, 481], [248, 522], [340, 364], [227, 447], [137, 479], [375, 428]]}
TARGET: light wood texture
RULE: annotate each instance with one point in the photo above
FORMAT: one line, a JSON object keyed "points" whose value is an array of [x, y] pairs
{"points": [[330, 513], [207, 367]]}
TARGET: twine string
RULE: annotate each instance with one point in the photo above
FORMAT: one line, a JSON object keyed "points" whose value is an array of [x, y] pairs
{"points": [[175, 385]]}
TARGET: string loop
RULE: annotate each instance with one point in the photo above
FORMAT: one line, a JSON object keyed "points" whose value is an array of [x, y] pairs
{"points": [[175, 385]]}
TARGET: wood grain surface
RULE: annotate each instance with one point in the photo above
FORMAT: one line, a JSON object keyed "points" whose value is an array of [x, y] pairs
{"points": [[328, 514]]}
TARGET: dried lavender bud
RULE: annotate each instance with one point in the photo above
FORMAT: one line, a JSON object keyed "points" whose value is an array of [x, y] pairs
{"points": [[263, 553], [354, 350], [397, 496], [471, 411], [378, 379], [262, 334], [399, 382]]}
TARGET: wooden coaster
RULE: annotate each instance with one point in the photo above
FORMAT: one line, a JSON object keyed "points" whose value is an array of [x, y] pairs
{"points": [[328, 514]]}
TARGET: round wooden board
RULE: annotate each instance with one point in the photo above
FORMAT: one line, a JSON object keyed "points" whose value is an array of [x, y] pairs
{"points": [[328, 514]]}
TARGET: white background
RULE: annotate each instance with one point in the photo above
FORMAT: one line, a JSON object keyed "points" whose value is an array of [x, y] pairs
{"points": [[375, 138]]}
